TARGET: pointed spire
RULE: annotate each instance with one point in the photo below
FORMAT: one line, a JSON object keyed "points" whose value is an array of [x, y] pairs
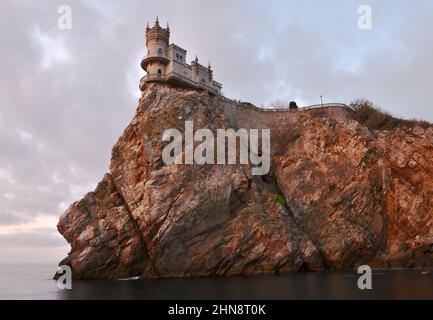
{"points": [[168, 27], [196, 58], [157, 21], [208, 66], [147, 25]]}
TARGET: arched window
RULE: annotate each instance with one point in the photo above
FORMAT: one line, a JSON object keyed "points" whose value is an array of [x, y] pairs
{"points": [[159, 72], [159, 52]]}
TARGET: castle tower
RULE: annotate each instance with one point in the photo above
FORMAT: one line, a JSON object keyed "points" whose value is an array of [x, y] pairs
{"points": [[210, 72], [167, 63], [195, 69], [156, 61]]}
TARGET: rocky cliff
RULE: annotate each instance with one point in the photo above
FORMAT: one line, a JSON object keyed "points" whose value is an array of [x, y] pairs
{"points": [[338, 195]]}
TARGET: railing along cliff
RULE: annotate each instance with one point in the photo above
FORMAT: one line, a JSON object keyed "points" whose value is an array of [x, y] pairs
{"points": [[315, 106]]}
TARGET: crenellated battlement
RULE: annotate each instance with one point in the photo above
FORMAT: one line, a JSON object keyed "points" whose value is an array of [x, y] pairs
{"points": [[199, 66], [176, 47]]}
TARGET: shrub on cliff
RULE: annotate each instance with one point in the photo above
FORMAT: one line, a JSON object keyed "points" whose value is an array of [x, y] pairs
{"points": [[293, 105], [278, 198], [375, 118]]}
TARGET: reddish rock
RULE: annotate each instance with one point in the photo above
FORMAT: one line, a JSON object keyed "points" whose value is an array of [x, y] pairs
{"points": [[350, 196]]}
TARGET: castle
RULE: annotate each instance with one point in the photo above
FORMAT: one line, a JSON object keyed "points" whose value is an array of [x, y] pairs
{"points": [[166, 62]]}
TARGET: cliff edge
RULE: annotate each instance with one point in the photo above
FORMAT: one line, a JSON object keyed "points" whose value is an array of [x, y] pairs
{"points": [[338, 195]]}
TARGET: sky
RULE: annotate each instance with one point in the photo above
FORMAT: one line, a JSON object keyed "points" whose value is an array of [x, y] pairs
{"points": [[67, 95]]}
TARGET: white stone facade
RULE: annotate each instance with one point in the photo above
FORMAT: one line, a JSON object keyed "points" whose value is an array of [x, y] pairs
{"points": [[167, 63]]}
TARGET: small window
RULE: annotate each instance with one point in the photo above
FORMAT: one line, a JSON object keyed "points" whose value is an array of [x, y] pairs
{"points": [[159, 52]]}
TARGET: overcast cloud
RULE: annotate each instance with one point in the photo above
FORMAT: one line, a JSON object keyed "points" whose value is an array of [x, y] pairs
{"points": [[66, 96]]}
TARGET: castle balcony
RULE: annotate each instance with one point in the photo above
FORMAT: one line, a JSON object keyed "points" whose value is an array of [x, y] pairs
{"points": [[153, 58], [154, 77]]}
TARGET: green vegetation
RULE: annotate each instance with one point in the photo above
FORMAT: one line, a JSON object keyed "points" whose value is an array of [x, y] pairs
{"points": [[375, 118], [115, 153], [278, 198]]}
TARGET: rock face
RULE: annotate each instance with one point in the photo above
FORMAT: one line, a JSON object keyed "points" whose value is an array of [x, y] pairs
{"points": [[338, 195]]}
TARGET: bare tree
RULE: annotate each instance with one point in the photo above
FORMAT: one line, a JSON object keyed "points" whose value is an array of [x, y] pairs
{"points": [[279, 104]]}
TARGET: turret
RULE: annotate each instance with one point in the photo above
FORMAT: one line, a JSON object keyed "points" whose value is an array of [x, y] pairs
{"points": [[157, 40], [194, 68], [210, 72]]}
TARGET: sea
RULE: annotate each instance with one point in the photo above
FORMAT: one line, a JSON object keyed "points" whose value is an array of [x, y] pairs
{"points": [[35, 282]]}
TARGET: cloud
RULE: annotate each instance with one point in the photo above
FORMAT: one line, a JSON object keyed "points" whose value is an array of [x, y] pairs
{"points": [[43, 238], [39, 223], [53, 50], [67, 95], [9, 218]]}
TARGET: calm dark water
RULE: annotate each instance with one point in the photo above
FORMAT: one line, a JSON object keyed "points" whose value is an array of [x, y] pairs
{"points": [[34, 282]]}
